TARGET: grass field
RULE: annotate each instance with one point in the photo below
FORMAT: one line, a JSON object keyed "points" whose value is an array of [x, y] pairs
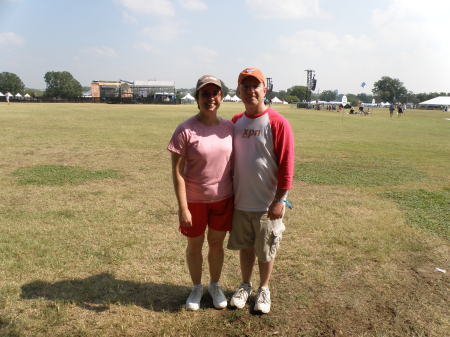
{"points": [[89, 243]]}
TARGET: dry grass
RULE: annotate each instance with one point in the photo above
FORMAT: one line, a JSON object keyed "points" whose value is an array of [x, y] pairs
{"points": [[104, 258]]}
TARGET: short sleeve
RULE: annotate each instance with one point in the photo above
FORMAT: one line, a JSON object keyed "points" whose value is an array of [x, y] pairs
{"points": [[178, 142]]}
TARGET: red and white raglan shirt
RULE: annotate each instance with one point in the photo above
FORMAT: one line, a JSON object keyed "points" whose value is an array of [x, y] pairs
{"points": [[263, 159]]}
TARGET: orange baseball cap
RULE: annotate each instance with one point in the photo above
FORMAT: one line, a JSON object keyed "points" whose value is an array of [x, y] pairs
{"points": [[254, 72]]}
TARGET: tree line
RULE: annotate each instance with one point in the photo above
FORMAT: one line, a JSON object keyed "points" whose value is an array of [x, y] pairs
{"points": [[386, 89], [59, 84]]}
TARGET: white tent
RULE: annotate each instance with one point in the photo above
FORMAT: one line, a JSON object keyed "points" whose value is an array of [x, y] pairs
{"points": [[235, 98], [284, 102], [1, 94], [276, 100], [188, 97], [8, 94], [227, 98], [18, 95], [437, 101], [27, 96]]}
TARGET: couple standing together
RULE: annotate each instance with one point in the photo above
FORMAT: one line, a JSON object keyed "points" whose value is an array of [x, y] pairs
{"points": [[232, 176]]}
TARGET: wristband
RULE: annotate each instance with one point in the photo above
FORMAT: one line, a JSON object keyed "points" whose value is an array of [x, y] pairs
{"points": [[288, 204]]}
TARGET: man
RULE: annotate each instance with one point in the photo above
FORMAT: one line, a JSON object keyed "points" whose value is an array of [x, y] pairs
{"points": [[263, 171], [391, 109]]}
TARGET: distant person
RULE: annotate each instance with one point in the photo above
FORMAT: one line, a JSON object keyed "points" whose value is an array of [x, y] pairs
{"points": [[391, 109], [201, 150], [399, 110], [7, 98], [263, 173]]}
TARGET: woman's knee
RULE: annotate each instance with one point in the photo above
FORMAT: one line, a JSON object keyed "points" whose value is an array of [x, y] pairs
{"points": [[215, 239], [194, 246]]}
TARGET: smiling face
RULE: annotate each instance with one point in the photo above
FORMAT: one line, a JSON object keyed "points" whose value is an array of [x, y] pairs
{"points": [[252, 92], [209, 98]]}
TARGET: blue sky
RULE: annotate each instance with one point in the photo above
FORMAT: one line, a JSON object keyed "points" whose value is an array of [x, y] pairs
{"points": [[346, 42]]}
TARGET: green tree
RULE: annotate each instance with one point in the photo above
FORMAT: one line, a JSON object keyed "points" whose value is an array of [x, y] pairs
{"points": [[11, 82], [328, 95], [411, 97], [363, 97], [389, 89], [282, 95], [352, 99], [291, 98], [300, 91], [61, 84], [225, 89]]}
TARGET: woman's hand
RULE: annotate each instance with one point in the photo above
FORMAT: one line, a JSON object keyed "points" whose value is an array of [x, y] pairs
{"points": [[185, 218]]}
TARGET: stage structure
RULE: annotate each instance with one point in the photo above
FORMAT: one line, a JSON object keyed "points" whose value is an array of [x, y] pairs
{"points": [[122, 91]]}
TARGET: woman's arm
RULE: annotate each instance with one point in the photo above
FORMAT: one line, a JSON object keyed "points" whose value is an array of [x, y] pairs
{"points": [[184, 215]]}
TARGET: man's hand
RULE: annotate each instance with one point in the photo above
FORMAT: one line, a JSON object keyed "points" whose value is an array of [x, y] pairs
{"points": [[276, 210]]}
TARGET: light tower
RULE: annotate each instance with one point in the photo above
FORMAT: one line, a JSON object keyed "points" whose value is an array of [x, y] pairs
{"points": [[310, 82], [269, 84]]}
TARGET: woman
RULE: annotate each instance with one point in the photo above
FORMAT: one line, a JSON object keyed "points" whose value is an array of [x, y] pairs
{"points": [[201, 150]]}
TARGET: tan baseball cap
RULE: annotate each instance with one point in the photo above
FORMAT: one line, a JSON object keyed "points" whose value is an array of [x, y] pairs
{"points": [[207, 79], [253, 72]]}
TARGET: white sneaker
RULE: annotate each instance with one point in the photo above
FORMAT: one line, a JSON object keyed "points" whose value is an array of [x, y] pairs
{"points": [[263, 300], [219, 299], [241, 295], [193, 301]]}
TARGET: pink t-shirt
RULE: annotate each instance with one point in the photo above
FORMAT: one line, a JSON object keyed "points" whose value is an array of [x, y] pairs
{"points": [[208, 153]]}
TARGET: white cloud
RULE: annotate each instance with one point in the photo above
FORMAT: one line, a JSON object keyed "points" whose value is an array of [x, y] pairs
{"points": [[312, 42], [413, 35], [128, 18], [340, 61], [145, 46], [193, 4], [154, 7], [7, 38], [102, 51], [204, 54], [285, 9], [168, 30]]}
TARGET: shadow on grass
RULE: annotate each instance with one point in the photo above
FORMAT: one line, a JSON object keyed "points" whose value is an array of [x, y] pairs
{"points": [[97, 292]]}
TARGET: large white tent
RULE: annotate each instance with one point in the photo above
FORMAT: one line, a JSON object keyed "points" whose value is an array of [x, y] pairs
{"points": [[1, 94], [235, 98], [188, 98], [276, 100], [227, 98], [437, 101]]}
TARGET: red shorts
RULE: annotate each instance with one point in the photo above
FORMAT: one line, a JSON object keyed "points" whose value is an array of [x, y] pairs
{"points": [[215, 215]]}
